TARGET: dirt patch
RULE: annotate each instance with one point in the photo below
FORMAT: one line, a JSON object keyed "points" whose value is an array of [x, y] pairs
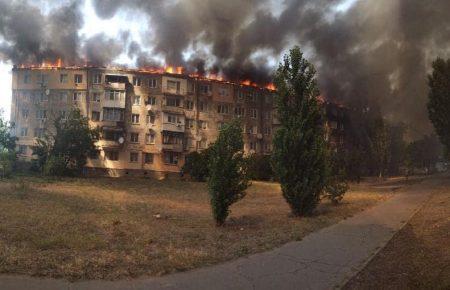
{"points": [[418, 256]]}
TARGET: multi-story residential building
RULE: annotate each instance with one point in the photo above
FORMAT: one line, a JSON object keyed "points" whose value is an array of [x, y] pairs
{"points": [[148, 120]]}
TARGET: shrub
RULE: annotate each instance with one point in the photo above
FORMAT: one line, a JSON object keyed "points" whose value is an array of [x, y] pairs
{"points": [[6, 163], [260, 167], [196, 165], [56, 166], [336, 189], [228, 173]]}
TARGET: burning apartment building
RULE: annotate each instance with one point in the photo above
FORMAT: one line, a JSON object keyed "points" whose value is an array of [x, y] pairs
{"points": [[149, 120]]}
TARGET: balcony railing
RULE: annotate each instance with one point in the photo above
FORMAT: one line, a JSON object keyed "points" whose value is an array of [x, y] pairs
{"points": [[171, 127], [173, 147], [174, 91], [115, 86]]}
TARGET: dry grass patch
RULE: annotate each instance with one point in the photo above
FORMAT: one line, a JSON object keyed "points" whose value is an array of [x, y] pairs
{"points": [[114, 228]]}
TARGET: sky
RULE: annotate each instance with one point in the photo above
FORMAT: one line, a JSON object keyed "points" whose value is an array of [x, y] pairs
{"points": [[134, 23]]}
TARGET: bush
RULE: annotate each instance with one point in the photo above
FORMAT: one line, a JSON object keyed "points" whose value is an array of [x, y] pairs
{"points": [[228, 175], [336, 189], [196, 165], [260, 167], [56, 166], [7, 160]]}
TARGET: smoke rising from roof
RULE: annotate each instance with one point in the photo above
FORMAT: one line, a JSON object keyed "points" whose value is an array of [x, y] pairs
{"points": [[377, 53]]}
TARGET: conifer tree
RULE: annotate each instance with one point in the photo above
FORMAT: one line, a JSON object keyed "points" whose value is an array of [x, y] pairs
{"points": [[439, 101], [228, 177], [300, 154]]}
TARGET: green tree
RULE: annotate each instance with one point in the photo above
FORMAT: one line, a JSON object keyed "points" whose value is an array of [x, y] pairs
{"points": [[439, 101], [380, 145], [196, 165], [260, 167], [299, 155], [424, 153], [7, 147], [71, 142], [228, 173]]}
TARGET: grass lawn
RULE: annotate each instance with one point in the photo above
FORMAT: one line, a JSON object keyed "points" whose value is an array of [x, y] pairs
{"points": [[107, 228]]}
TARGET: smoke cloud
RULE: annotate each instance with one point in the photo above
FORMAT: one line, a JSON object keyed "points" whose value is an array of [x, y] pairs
{"points": [[375, 54]]}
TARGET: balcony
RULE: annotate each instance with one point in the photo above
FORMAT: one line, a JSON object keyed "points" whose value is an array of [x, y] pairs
{"points": [[173, 110], [115, 86], [173, 147], [174, 91], [171, 127]]}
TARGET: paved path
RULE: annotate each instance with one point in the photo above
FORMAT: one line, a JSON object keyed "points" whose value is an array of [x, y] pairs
{"points": [[322, 260]]}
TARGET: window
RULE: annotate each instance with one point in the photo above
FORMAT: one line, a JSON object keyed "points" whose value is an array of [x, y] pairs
{"points": [[63, 78], [97, 79], [252, 96], [134, 137], [172, 102], [151, 101], [115, 95], [202, 106], [38, 132], [174, 119], [241, 96], [41, 114], [112, 155], [43, 97], [239, 111], [27, 78], [267, 130], [112, 114], [148, 158], [254, 113], [267, 147], [95, 116], [134, 157], [173, 86], [189, 105], [23, 149], [23, 131], [205, 89], [189, 123], [267, 115], [43, 79], [96, 97], [172, 139], [222, 109], [137, 100], [171, 157], [78, 79], [150, 138], [252, 146], [203, 125], [220, 125], [136, 81], [135, 118], [77, 96], [152, 83], [111, 135], [151, 118], [25, 113], [223, 92], [202, 144]]}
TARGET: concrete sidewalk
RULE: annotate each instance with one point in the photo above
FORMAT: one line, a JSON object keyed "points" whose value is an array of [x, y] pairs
{"points": [[322, 260]]}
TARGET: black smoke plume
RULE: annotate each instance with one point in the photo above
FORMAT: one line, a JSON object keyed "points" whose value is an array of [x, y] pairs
{"points": [[375, 54]]}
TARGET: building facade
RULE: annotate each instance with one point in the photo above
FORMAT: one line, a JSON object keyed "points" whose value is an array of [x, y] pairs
{"points": [[148, 120]]}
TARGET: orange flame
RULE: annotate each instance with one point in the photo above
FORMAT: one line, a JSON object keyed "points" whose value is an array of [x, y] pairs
{"points": [[271, 87]]}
